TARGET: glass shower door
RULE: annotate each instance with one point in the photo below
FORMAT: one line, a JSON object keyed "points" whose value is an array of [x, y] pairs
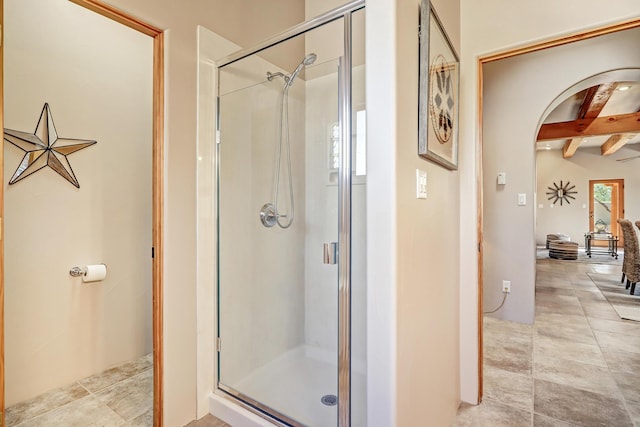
{"points": [[278, 170]]}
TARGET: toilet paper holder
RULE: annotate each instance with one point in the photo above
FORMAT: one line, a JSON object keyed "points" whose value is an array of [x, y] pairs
{"points": [[77, 272]]}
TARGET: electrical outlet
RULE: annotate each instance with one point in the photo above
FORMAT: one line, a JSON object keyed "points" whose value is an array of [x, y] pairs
{"points": [[506, 286]]}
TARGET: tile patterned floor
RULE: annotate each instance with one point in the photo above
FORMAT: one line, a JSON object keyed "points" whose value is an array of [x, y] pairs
{"points": [[208, 421], [578, 365], [119, 397]]}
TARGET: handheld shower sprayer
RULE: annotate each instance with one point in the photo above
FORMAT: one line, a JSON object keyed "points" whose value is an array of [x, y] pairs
{"points": [[288, 80], [307, 60], [270, 215]]}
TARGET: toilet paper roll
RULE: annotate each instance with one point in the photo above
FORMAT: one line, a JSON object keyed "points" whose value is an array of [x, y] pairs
{"points": [[94, 273]]}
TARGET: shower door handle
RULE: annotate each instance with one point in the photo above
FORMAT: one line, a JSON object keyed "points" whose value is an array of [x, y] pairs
{"points": [[330, 253]]}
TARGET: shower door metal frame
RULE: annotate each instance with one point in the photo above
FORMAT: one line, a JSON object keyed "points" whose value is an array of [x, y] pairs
{"points": [[344, 12]]}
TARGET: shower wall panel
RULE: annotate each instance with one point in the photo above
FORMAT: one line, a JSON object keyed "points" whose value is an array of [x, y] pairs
{"points": [[359, 232], [321, 218], [321, 300], [261, 269]]}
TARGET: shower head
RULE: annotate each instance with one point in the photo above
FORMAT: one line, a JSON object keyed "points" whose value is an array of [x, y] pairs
{"points": [[307, 60]]}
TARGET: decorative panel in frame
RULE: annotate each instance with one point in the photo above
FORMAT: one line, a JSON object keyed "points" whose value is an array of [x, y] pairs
{"points": [[438, 92]]}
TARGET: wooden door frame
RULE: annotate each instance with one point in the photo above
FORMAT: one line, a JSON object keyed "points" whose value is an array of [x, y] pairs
{"points": [[157, 196], [485, 59], [619, 203]]}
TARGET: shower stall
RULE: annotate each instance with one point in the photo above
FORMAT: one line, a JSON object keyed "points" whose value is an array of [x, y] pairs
{"points": [[291, 177]]}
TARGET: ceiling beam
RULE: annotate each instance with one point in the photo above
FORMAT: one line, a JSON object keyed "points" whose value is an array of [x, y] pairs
{"points": [[608, 125], [599, 97], [570, 147], [586, 102], [595, 98], [614, 143]]}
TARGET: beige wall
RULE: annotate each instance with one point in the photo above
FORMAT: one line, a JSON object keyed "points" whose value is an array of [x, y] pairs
{"points": [[416, 240], [59, 329], [427, 251], [587, 164], [520, 24]]}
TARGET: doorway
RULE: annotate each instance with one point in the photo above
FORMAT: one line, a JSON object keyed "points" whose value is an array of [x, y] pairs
{"points": [[500, 202], [606, 206], [83, 170]]}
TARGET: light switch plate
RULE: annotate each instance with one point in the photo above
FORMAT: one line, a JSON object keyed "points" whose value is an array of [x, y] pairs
{"points": [[421, 184], [522, 199], [502, 178]]}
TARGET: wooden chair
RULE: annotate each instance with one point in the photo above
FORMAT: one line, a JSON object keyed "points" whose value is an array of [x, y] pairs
{"points": [[631, 261]]}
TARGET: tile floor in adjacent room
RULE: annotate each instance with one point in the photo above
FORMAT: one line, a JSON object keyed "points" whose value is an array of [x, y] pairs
{"points": [[578, 365], [208, 421], [119, 397]]}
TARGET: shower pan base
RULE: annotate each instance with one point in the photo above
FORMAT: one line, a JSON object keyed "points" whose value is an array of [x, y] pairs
{"points": [[297, 380]]}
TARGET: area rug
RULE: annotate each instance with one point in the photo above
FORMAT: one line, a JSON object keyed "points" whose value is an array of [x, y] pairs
{"points": [[627, 306]]}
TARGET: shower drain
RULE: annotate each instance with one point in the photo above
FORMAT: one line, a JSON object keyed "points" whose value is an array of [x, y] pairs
{"points": [[329, 399]]}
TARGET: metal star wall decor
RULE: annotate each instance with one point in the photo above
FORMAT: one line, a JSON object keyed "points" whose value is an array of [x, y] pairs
{"points": [[44, 148], [561, 192]]}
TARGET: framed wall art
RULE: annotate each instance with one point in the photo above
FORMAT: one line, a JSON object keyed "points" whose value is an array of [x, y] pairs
{"points": [[438, 92]]}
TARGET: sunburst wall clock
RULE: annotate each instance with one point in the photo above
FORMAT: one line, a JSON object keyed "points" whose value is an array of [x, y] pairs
{"points": [[44, 148], [562, 192]]}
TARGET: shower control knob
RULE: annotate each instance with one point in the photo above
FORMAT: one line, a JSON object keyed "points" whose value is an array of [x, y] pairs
{"points": [[268, 215]]}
